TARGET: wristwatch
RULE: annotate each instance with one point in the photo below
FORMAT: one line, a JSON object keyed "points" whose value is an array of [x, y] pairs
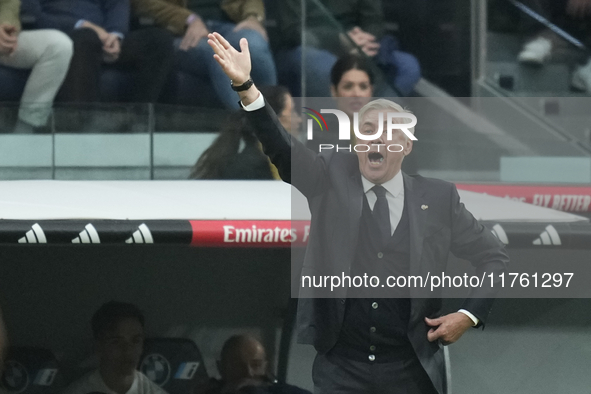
{"points": [[245, 86]]}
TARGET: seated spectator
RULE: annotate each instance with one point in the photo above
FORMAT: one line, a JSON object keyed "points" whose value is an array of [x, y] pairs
{"points": [[352, 79], [99, 29], [46, 53], [118, 330], [192, 21], [237, 153], [574, 16], [364, 23], [351, 84], [243, 370]]}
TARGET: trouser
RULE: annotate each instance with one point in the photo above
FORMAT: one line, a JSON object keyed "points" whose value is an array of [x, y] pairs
{"points": [[199, 60], [47, 53], [148, 52], [335, 374]]}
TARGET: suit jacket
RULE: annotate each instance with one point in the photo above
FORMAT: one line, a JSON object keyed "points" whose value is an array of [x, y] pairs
{"points": [[9, 12], [332, 184], [173, 14]]}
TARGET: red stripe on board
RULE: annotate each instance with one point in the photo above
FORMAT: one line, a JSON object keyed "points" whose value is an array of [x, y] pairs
{"points": [[562, 198], [251, 233]]}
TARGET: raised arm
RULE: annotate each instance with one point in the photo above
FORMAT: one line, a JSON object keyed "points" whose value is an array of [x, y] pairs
{"points": [[285, 152]]}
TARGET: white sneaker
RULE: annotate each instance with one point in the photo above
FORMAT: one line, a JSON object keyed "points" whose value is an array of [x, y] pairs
{"points": [[536, 52], [582, 78]]}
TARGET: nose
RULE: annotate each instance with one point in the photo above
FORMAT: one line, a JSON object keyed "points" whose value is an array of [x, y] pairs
{"points": [[379, 140]]}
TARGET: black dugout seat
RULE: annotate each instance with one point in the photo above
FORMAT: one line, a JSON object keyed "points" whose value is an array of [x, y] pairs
{"points": [[175, 364], [30, 370]]}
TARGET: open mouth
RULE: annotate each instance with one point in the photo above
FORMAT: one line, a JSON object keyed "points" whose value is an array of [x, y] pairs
{"points": [[375, 158]]}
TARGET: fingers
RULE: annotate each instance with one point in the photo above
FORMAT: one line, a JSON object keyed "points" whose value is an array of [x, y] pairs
{"points": [[433, 335], [110, 41], [434, 322], [216, 46], [220, 61], [185, 41], [244, 47], [222, 41]]}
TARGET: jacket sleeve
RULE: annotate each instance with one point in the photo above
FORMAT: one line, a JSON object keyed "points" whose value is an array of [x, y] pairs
{"points": [[238, 10], [9, 12], [116, 16], [474, 242], [164, 13], [297, 165]]}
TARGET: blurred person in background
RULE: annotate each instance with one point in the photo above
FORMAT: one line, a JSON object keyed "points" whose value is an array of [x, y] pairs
{"points": [[243, 369], [101, 36], [363, 22], [118, 331], [237, 153], [46, 53], [575, 17], [351, 78], [351, 85], [191, 20]]}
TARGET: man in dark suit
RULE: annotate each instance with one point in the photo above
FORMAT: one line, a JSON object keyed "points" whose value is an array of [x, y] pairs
{"points": [[368, 216]]}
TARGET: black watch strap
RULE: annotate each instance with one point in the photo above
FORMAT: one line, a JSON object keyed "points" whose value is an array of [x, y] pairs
{"points": [[245, 86]]}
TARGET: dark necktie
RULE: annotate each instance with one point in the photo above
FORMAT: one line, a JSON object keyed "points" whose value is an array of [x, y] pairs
{"points": [[381, 212]]}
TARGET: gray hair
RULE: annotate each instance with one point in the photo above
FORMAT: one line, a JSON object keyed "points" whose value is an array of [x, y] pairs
{"points": [[383, 104]]}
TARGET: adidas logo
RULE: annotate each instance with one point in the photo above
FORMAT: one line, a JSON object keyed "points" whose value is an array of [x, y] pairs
{"points": [[87, 236], [548, 237], [500, 233], [141, 236], [34, 236]]}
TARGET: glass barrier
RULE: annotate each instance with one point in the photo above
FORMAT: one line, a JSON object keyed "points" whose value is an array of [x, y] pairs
{"points": [[325, 39], [533, 48], [472, 139], [106, 141]]}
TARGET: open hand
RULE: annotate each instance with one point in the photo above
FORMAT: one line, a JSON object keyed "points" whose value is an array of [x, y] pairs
{"points": [[235, 64], [449, 328]]}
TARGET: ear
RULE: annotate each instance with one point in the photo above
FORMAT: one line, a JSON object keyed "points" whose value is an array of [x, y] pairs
{"points": [[333, 90], [408, 147], [218, 365]]}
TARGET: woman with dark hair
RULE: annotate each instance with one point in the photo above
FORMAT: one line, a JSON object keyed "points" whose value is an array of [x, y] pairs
{"points": [[352, 79], [237, 153]]}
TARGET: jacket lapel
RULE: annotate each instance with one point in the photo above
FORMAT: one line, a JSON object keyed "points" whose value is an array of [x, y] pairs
{"points": [[355, 198], [414, 197]]}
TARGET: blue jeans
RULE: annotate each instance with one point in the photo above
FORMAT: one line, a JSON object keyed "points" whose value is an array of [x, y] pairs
{"points": [[402, 70], [200, 62]]}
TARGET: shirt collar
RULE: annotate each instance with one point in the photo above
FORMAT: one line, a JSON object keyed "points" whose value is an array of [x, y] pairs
{"points": [[394, 186]]}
